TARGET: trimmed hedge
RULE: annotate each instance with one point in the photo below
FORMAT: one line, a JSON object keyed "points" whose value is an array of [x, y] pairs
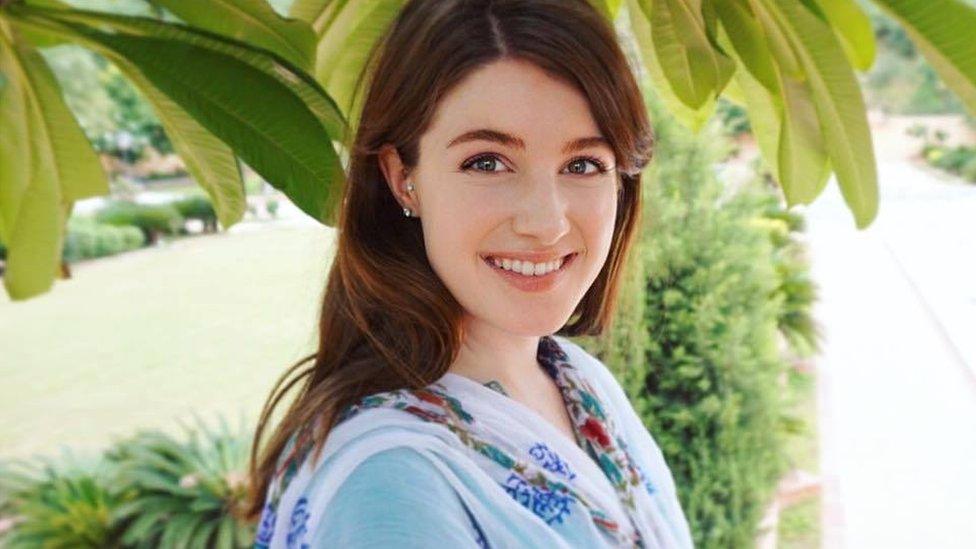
{"points": [[86, 239], [198, 206], [152, 219]]}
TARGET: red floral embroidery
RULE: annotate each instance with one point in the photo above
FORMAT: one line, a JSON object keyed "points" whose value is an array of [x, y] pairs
{"points": [[429, 397], [595, 432]]}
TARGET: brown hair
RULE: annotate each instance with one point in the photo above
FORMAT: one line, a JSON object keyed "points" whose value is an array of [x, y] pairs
{"points": [[387, 321]]}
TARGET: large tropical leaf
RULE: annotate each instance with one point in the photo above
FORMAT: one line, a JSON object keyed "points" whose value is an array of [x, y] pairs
{"points": [[693, 118], [46, 163], [281, 126], [943, 31], [252, 21], [839, 104], [211, 162], [786, 118], [347, 30], [853, 27], [696, 69]]}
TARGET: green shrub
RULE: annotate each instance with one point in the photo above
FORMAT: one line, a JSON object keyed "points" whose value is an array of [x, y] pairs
{"points": [[152, 219], [86, 238], [71, 503], [198, 206], [968, 170], [186, 490], [272, 206], [695, 337]]}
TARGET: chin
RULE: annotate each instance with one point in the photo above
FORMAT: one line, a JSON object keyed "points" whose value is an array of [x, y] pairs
{"points": [[531, 327]]}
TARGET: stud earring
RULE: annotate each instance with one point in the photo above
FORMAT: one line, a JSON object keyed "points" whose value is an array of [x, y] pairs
{"points": [[410, 187], [407, 212]]}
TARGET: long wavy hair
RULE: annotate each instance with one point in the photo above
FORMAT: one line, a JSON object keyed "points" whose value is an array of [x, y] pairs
{"points": [[387, 321]]}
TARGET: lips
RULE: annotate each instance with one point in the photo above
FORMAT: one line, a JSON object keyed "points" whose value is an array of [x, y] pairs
{"points": [[526, 256]]}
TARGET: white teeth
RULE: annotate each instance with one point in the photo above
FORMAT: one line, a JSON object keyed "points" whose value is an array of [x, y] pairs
{"points": [[527, 268]]}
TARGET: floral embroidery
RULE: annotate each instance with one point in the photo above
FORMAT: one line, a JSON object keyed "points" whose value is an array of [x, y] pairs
{"points": [[296, 527], [647, 482], [550, 460], [265, 527], [592, 430], [548, 505]]}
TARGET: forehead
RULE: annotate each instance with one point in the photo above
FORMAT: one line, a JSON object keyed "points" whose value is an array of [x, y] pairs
{"points": [[517, 97]]}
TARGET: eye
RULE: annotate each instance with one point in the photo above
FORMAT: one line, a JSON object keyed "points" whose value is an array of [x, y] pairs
{"points": [[487, 161], [581, 161]]}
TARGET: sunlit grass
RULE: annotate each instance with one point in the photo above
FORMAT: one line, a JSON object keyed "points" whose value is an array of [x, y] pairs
{"points": [[204, 324]]}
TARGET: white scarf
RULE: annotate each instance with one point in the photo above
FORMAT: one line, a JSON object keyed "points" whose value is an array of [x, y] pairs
{"points": [[518, 459]]}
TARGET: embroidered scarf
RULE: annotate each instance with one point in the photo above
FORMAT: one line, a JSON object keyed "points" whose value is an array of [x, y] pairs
{"points": [[541, 474]]}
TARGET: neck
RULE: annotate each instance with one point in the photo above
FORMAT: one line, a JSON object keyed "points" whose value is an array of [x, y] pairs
{"points": [[489, 354]]}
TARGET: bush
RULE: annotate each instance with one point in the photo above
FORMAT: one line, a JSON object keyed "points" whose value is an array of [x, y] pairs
{"points": [[67, 503], [968, 169], [694, 339], [198, 206], [186, 491], [87, 239], [149, 490], [152, 219]]}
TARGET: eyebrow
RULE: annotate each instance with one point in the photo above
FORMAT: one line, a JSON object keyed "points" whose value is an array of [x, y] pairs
{"points": [[495, 136]]}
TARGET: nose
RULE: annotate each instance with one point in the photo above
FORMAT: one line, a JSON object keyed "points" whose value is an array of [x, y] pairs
{"points": [[542, 211]]}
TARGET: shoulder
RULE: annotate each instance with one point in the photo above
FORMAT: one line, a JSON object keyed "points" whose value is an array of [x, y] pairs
{"points": [[396, 497]]}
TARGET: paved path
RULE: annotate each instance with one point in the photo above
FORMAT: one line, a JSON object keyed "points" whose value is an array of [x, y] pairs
{"points": [[898, 368]]}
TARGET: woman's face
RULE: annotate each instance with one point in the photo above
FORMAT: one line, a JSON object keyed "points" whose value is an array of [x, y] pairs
{"points": [[514, 171]]}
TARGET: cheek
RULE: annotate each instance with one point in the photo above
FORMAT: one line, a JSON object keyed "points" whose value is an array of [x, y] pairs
{"points": [[454, 225], [595, 216]]}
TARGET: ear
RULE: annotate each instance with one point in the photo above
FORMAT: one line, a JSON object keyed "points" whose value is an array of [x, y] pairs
{"points": [[397, 178]]}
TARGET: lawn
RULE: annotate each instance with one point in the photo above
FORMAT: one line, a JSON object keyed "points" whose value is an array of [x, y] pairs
{"points": [[145, 339]]}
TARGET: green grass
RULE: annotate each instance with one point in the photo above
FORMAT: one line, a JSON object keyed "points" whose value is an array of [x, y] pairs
{"points": [[146, 338]]}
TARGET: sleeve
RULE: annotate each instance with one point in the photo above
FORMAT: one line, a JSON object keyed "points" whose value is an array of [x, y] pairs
{"points": [[396, 498]]}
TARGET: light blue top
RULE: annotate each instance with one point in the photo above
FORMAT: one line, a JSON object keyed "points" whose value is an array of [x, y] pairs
{"points": [[397, 498]]}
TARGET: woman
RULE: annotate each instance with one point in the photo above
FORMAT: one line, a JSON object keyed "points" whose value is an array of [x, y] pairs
{"points": [[493, 192]]}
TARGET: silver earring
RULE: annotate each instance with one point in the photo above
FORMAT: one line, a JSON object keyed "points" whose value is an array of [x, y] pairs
{"points": [[407, 212], [410, 187]]}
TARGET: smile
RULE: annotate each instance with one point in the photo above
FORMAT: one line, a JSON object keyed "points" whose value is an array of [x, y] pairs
{"points": [[529, 276]]}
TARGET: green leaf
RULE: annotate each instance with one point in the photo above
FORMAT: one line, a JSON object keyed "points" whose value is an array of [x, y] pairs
{"points": [[46, 163], [275, 117], [609, 8], [943, 32], [839, 104], [317, 13], [211, 163], [252, 21], [853, 27], [694, 119], [802, 155], [345, 40], [748, 41], [789, 131], [696, 70]]}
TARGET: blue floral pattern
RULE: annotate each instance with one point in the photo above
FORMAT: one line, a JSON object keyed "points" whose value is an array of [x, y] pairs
{"points": [[550, 460], [265, 527], [296, 526], [547, 504]]}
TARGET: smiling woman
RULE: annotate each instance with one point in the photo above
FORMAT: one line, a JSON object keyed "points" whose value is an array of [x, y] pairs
{"points": [[492, 196]]}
